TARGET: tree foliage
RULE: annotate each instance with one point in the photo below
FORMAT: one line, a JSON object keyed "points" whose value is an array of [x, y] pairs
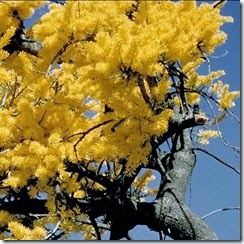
{"points": [[88, 95]]}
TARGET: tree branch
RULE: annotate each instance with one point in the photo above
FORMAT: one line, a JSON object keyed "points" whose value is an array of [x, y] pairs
{"points": [[95, 226], [217, 3], [174, 219], [177, 125], [84, 172], [25, 206], [219, 210], [217, 158], [19, 42], [53, 232], [169, 213], [84, 133], [145, 95]]}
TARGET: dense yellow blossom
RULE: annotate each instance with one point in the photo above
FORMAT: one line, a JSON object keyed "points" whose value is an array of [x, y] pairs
{"points": [[5, 218], [21, 232], [93, 57]]}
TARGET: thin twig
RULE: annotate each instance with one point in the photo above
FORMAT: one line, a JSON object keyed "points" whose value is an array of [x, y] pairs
{"points": [[226, 143], [95, 226], [42, 215], [217, 3], [4, 187], [146, 96], [205, 96], [39, 72], [160, 235], [234, 116], [220, 56], [84, 133], [42, 117], [220, 210], [217, 158], [54, 230], [4, 151]]}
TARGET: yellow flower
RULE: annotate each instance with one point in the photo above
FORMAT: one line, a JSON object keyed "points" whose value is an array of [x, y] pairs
{"points": [[193, 97], [216, 87], [79, 194], [204, 135], [226, 98], [20, 232]]}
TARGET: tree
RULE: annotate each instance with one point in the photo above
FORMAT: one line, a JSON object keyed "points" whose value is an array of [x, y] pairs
{"points": [[89, 96]]}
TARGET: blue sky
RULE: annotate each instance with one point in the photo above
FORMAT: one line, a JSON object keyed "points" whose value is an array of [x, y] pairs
{"points": [[213, 185]]}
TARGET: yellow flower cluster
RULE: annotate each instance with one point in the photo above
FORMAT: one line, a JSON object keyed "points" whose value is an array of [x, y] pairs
{"points": [[5, 218], [225, 96], [141, 182], [204, 135], [196, 81], [20, 232], [53, 107]]}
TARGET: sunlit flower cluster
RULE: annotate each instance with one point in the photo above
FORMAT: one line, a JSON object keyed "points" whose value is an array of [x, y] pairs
{"points": [[80, 98], [205, 135], [226, 98]]}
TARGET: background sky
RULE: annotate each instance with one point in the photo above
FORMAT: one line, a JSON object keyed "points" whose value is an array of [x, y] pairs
{"points": [[213, 186]]}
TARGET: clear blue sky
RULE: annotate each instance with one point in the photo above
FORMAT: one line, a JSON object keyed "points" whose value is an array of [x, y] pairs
{"points": [[214, 186]]}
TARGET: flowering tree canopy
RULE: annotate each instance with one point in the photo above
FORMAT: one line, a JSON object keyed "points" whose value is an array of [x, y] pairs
{"points": [[88, 95]]}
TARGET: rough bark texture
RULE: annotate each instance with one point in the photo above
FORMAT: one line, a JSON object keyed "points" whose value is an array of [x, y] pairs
{"points": [[169, 212]]}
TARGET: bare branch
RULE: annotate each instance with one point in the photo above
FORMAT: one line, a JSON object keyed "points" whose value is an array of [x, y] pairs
{"points": [[84, 133], [4, 151], [83, 172], [43, 215], [95, 226], [234, 116], [176, 126], [217, 3], [147, 97], [100, 226], [219, 210], [217, 158], [32, 47], [53, 232]]}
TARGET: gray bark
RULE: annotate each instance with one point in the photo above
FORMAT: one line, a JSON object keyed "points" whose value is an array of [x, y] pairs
{"points": [[169, 213]]}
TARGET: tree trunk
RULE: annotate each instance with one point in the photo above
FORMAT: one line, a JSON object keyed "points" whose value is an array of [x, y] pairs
{"points": [[169, 213]]}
